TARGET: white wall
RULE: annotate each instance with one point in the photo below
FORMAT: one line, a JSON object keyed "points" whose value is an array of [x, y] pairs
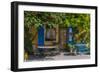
{"points": [[5, 17]]}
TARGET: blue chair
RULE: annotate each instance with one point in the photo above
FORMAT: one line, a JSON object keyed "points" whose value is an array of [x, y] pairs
{"points": [[81, 48]]}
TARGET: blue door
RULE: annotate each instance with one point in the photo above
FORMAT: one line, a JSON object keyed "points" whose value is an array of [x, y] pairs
{"points": [[41, 36], [70, 35]]}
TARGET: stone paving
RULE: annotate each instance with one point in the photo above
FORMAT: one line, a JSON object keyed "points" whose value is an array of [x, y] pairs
{"points": [[59, 57]]}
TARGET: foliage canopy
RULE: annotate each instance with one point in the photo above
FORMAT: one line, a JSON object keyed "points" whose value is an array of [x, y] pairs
{"points": [[79, 21]]}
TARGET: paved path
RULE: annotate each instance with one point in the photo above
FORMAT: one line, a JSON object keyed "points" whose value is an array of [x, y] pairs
{"points": [[62, 57], [59, 57]]}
